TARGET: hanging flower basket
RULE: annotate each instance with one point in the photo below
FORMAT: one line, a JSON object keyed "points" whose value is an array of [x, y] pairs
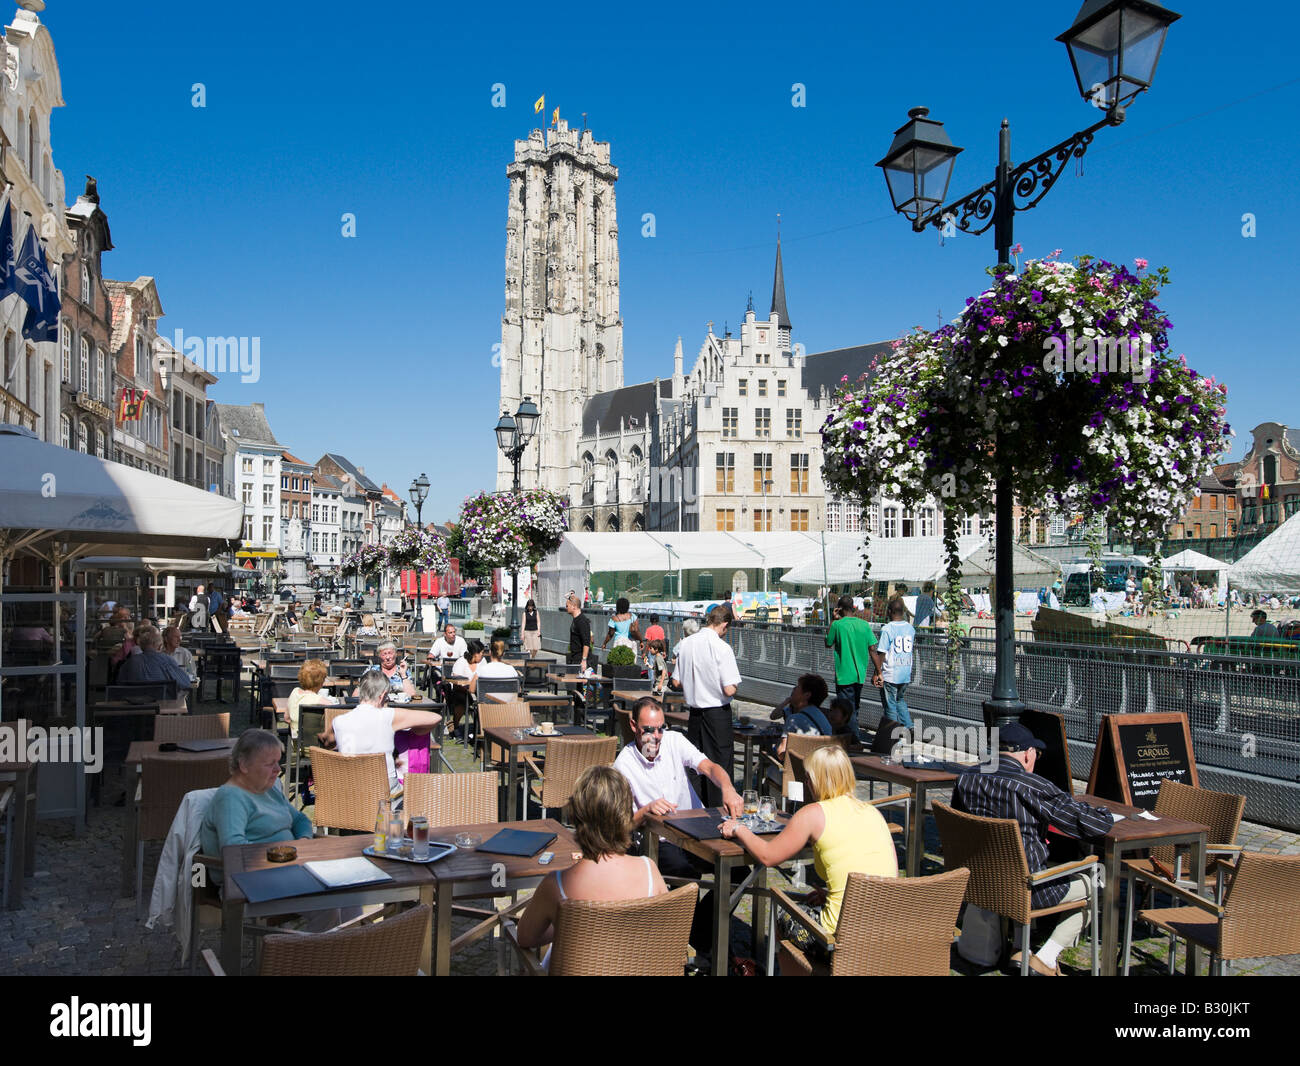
{"points": [[366, 561], [420, 549], [514, 530]]}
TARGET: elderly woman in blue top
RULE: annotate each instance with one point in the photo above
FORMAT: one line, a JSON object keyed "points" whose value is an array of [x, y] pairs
{"points": [[249, 808]]}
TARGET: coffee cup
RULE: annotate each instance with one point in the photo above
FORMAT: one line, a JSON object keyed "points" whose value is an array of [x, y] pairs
{"points": [[548, 727]]}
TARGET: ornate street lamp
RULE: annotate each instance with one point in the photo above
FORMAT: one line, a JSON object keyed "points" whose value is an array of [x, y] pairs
{"points": [[513, 435], [1114, 47], [419, 493]]}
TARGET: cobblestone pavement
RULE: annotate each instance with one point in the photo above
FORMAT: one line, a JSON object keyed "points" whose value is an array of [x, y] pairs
{"points": [[74, 922]]}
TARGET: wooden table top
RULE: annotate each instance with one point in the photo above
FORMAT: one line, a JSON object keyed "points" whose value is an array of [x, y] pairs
{"points": [[140, 748], [574, 679], [505, 736], [118, 708], [240, 857], [873, 766], [478, 865], [1133, 828], [708, 849], [546, 700], [632, 695]]}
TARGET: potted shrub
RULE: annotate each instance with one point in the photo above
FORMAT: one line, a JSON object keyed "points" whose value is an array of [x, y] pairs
{"points": [[620, 663], [501, 633], [472, 626]]}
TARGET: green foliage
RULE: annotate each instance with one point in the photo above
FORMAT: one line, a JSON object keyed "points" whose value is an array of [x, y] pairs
{"points": [[501, 633], [473, 625], [621, 656]]}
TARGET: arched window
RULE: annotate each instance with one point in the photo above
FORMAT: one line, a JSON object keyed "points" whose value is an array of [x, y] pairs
{"points": [[83, 380], [611, 475], [588, 524], [65, 432], [83, 438], [32, 141], [99, 443], [1270, 470], [638, 524], [740, 581], [22, 132], [611, 524], [891, 523]]}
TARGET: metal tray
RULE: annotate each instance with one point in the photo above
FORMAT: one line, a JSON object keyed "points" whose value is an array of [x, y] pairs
{"points": [[437, 850]]}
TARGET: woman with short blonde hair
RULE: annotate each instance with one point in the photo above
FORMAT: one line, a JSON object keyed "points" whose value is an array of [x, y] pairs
{"points": [[311, 676], [847, 836]]}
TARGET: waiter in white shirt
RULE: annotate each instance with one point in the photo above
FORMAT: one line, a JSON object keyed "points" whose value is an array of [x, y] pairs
{"points": [[708, 676]]}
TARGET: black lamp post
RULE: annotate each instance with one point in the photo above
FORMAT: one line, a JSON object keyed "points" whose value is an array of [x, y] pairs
{"points": [[513, 435], [419, 493], [1114, 47]]}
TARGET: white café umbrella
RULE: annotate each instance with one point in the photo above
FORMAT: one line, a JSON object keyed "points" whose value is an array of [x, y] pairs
{"points": [[61, 505]]}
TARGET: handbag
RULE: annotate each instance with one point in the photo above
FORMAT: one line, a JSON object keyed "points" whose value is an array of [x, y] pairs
{"points": [[980, 942]]}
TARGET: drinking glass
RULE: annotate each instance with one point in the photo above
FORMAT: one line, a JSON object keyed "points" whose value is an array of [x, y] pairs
{"points": [[420, 836], [396, 830], [751, 801], [381, 825], [766, 809]]}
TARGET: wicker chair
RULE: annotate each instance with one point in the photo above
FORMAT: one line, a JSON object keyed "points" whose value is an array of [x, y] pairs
{"points": [[173, 727], [900, 799], [780, 774], [888, 927], [1257, 918], [349, 789], [1000, 881], [388, 948], [1219, 812], [566, 758], [619, 938], [452, 799], [163, 783], [501, 716]]}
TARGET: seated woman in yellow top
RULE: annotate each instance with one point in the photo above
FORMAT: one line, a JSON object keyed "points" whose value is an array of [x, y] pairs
{"points": [[847, 835]]}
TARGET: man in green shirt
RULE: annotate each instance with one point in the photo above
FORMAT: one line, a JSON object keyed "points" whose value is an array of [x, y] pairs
{"points": [[852, 639]]}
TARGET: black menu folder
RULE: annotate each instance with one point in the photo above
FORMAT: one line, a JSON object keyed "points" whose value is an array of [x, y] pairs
{"points": [[703, 826], [521, 842], [280, 882]]}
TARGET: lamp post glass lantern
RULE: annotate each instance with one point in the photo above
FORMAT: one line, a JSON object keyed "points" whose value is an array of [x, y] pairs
{"points": [[513, 434], [1114, 46], [419, 493]]}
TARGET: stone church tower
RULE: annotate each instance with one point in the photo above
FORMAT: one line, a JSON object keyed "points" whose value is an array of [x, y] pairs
{"points": [[561, 334]]}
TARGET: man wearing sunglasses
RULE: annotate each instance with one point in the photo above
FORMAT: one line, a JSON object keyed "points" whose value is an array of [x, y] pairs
{"points": [[708, 676], [655, 766]]}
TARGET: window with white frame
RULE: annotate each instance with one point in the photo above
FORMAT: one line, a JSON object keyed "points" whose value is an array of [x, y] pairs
{"points": [[248, 527], [909, 522], [268, 496], [890, 524], [65, 432], [99, 443], [100, 383], [246, 465], [268, 529], [927, 521], [247, 494], [83, 367], [67, 352], [268, 467], [85, 282], [83, 438]]}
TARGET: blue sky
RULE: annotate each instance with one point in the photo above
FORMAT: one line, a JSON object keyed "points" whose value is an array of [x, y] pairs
{"points": [[380, 346]]}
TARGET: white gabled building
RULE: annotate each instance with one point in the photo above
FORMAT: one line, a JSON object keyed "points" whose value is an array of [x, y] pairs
{"points": [[257, 461]]}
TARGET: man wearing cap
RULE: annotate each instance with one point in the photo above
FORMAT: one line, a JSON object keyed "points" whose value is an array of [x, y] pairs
{"points": [[1013, 790]]}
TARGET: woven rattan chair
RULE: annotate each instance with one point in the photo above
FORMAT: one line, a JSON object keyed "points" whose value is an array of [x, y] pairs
{"points": [[781, 773], [452, 799], [888, 927], [1219, 812], [388, 948], [502, 716], [349, 789], [163, 783], [566, 758], [172, 727], [900, 799], [1257, 919], [619, 938], [1000, 881]]}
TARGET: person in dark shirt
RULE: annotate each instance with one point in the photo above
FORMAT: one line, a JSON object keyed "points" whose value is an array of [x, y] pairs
{"points": [[1013, 790], [802, 712], [579, 644], [1263, 627]]}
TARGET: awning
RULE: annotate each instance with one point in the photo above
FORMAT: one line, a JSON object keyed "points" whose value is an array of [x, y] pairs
{"points": [[257, 555]]}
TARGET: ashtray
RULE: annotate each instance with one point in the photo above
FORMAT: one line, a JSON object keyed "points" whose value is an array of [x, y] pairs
{"points": [[281, 853], [468, 841]]}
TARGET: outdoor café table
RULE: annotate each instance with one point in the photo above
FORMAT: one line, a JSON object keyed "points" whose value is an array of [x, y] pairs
{"points": [[479, 873], [916, 780], [516, 738], [411, 883], [135, 758], [1131, 834], [725, 855], [22, 828], [556, 703]]}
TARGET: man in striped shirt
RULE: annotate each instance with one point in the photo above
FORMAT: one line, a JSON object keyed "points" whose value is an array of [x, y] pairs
{"points": [[1015, 791]]}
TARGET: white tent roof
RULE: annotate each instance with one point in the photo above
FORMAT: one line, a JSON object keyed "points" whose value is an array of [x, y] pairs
{"points": [[690, 551], [1028, 567], [1192, 560], [89, 506], [1273, 565], [154, 566], [892, 559]]}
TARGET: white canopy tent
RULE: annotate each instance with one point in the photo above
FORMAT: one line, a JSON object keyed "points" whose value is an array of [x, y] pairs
{"points": [[1188, 561], [1273, 565], [61, 505], [912, 559]]}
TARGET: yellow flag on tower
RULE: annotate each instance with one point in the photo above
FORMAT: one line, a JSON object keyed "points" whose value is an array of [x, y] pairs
{"points": [[540, 106], [555, 117]]}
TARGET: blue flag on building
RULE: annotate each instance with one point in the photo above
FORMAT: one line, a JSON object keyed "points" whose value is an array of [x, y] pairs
{"points": [[35, 284], [7, 285]]}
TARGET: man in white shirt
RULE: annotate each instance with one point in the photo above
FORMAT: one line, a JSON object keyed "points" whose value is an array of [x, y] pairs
{"points": [[655, 766], [708, 676], [447, 646], [444, 610]]}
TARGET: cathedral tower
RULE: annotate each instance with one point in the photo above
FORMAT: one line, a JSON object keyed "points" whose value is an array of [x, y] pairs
{"points": [[561, 334]]}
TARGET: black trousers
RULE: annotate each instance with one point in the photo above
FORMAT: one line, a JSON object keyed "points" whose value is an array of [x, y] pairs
{"points": [[710, 730]]}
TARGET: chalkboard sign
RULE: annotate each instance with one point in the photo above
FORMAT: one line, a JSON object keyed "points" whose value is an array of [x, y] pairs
{"points": [[1135, 752]]}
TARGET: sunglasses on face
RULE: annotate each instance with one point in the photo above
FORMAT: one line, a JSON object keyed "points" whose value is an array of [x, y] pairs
{"points": [[654, 728]]}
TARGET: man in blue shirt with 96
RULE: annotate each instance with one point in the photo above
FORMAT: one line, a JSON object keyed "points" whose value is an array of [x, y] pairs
{"points": [[892, 657]]}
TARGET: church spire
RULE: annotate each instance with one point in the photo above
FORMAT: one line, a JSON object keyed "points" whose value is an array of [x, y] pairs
{"points": [[778, 284]]}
